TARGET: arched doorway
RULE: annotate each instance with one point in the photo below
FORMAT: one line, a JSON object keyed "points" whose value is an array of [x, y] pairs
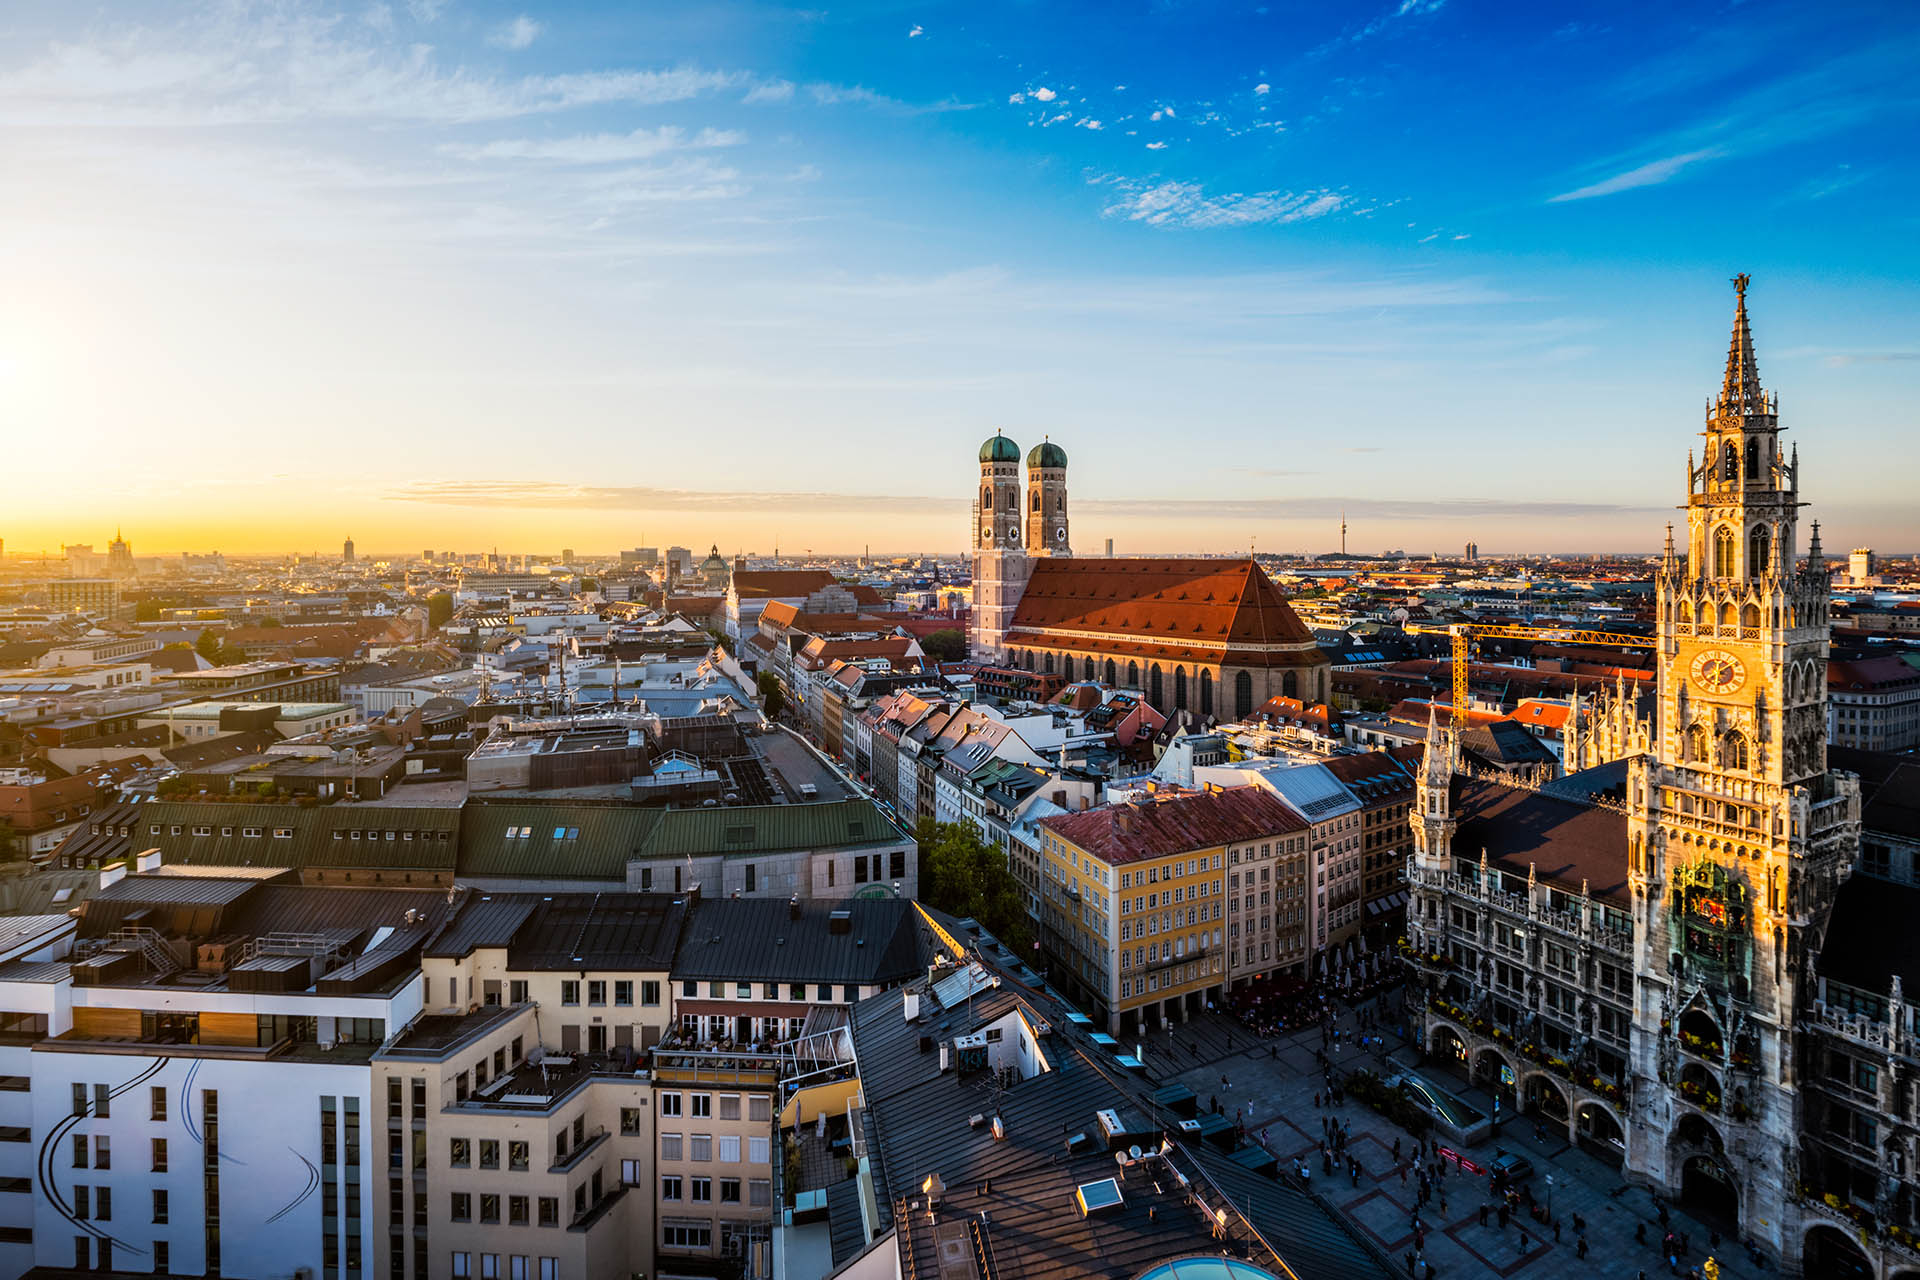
{"points": [[1492, 1072], [1599, 1132], [1829, 1254], [1446, 1046], [1545, 1096], [1707, 1187]]}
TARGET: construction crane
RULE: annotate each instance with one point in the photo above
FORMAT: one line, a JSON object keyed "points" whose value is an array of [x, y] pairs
{"points": [[1465, 633]]}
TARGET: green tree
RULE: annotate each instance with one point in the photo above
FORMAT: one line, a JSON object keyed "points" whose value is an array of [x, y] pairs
{"points": [[773, 697], [148, 610], [208, 646], [962, 874], [589, 584], [439, 610], [948, 644]]}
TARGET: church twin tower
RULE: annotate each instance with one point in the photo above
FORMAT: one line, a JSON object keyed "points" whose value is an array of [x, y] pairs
{"points": [[1008, 530]]}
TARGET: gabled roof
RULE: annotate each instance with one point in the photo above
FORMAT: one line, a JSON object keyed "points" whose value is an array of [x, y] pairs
{"points": [[763, 584], [1162, 828], [1192, 610], [1564, 840]]}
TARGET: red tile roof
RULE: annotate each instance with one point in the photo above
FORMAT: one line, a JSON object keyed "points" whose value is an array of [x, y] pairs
{"points": [[759, 584], [1191, 610], [1162, 828]]}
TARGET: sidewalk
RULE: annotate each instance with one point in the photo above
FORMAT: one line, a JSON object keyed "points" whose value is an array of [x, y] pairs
{"points": [[1270, 1084]]}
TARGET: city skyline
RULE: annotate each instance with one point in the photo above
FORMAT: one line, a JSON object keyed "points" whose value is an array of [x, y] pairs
{"points": [[466, 276]]}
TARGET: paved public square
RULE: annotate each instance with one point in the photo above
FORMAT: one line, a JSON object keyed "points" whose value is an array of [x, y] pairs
{"points": [[1271, 1084]]}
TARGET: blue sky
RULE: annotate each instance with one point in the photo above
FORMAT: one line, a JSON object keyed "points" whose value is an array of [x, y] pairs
{"points": [[452, 274]]}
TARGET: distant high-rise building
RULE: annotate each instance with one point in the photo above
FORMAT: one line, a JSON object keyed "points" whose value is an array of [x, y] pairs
{"points": [[119, 557], [1860, 567], [427, 555], [1109, 548], [1473, 552], [346, 551], [566, 555], [680, 558]]}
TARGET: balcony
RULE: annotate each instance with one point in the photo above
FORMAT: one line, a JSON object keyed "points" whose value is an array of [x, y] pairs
{"points": [[571, 1160], [1884, 1037]]}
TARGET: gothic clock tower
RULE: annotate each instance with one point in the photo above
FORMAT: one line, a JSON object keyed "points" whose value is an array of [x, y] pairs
{"points": [[1738, 835]]}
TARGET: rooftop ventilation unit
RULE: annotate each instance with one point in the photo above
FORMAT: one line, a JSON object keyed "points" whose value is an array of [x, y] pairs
{"points": [[1098, 1197]]}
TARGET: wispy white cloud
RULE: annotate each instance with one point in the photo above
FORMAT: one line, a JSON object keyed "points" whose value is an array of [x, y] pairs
{"points": [[1016, 98], [426, 10], [1156, 146], [1651, 174], [1089, 123], [918, 30], [770, 91], [518, 34], [598, 148], [1044, 94], [1262, 90], [1187, 204], [290, 65]]}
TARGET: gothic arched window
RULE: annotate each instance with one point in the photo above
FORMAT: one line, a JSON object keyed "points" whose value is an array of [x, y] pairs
{"points": [[1733, 751], [1110, 672], [1759, 550], [1723, 551], [1155, 694], [1750, 616], [1089, 669], [1290, 685], [1753, 461], [1206, 693], [1133, 675], [1013, 500], [986, 499], [1180, 688], [1697, 744], [1242, 696], [1036, 500], [1049, 664], [1729, 463]]}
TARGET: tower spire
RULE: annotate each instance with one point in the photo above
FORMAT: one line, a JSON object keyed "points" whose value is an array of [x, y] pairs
{"points": [[1740, 392]]}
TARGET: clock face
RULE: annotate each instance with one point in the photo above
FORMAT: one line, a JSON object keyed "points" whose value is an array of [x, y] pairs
{"points": [[1717, 671]]}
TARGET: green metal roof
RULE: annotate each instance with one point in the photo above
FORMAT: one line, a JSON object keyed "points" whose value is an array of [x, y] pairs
{"points": [[348, 836], [1047, 454], [999, 449], [552, 841], [769, 828]]}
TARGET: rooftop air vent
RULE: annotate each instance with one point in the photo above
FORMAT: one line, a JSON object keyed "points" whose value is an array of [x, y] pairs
{"points": [[1098, 1197]]}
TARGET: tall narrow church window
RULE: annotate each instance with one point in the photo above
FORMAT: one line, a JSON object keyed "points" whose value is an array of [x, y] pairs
{"points": [[1753, 461], [986, 499], [1090, 674], [1750, 617], [1729, 463], [1110, 671], [1697, 744], [1036, 499], [1180, 688], [1133, 675], [1733, 751], [1049, 662], [1723, 552], [1155, 694], [1206, 693], [1290, 685], [1013, 501], [1759, 551]]}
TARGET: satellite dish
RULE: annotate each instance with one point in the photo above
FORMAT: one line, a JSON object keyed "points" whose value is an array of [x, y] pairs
{"points": [[1133, 1153]]}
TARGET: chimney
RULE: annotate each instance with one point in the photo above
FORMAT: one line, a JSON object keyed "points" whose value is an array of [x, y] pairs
{"points": [[1085, 800], [793, 907], [147, 861], [113, 873]]}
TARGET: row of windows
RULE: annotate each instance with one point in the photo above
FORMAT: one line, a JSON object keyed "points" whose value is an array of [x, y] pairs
{"points": [[703, 1148], [517, 1267], [676, 1189], [597, 992]]}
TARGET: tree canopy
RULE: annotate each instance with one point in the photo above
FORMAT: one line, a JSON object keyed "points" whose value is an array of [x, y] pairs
{"points": [[774, 698], [962, 874], [439, 609], [948, 644]]}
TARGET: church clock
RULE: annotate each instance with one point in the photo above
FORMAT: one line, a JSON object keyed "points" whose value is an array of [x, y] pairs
{"points": [[1718, 671]]}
